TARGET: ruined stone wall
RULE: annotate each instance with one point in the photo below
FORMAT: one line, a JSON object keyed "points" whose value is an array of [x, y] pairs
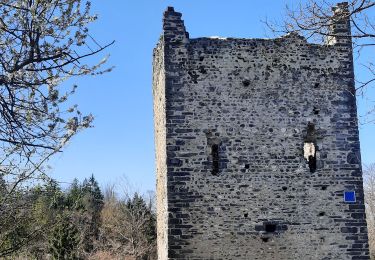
{"points": [[238, 114], [160, 147]]}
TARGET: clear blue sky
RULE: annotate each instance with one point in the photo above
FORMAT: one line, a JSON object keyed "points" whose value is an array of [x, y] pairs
{"points": [[121, 143]]}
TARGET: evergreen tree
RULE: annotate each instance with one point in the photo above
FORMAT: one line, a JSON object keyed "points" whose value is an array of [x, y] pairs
{"points": [[138, 208], [46, 202], [74, 196], [94, 198], [93, 201], [65, 240], [54, 195]]}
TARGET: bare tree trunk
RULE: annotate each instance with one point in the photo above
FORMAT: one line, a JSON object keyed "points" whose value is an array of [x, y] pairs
{"points": [[369, 188]]}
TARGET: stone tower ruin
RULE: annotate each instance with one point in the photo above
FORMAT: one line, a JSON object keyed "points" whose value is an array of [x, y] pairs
{"points": [[257, 147]]}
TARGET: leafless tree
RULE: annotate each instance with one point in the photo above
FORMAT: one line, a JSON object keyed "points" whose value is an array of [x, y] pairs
{"points": [[127, 226], [314, 19], [369, 187], [42, 43]]}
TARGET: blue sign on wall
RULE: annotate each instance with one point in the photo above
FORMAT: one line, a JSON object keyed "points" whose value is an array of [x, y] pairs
{"points": [[349, 196]]}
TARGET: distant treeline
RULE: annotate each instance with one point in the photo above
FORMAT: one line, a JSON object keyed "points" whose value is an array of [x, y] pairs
{"points": [[47, 222]]}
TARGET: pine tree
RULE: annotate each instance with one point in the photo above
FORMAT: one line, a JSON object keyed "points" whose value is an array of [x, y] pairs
{"points": [[139, 209], [93, 201], [65, 240], [74, 196]]}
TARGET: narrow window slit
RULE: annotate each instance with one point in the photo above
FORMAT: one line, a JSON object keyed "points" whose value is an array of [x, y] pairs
{"points": [[310, 155], [215, 159], [309, 148]]}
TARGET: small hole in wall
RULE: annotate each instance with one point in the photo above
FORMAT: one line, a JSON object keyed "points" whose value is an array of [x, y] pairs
{"points": [[316, 111], [269, 227], [265, 239], [323, 187], [321, 214], [246, 82], [202, 70], [201, 58], [284, 188], [316, 85], [246, 215], [247, 166]]}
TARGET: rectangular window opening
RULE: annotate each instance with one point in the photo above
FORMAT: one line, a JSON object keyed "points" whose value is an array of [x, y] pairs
{"points": [[309, 152], [215, 159]]}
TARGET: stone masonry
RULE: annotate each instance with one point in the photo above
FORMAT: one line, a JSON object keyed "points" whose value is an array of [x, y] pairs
{"points": [[257, 148]]}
